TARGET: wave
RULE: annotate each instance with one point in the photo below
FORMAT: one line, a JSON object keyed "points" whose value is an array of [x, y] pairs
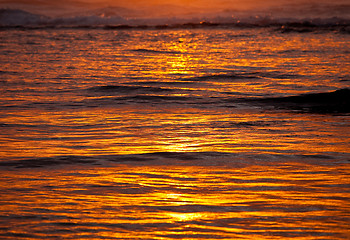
{"points": [[142, 50], [223, 76], [154, 99], [127, 89], [171, 158], [17, 18], [49, 161], [104, 159], [21, 18], [328, 102]]}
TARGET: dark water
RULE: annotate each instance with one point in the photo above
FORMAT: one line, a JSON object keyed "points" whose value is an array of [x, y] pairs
{"points": [[209, 133]]}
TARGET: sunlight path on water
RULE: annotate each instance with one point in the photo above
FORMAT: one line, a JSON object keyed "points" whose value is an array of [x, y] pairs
{"points": [[280, 201], [174, 134], [134, 131]]}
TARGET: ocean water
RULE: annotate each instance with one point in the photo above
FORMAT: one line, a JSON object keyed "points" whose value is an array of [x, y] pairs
{"points": [[186, 132]]}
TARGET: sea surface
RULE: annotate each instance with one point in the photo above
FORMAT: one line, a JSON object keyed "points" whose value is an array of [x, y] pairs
{"points": [[185, 132]]}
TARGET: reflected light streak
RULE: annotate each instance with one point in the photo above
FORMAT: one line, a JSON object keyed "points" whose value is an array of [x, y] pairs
{"points": [[102, 123], [152, 201]]}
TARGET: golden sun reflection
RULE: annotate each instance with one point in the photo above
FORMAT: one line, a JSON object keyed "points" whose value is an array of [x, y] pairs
{"points": [[183, 130], [183, 61], [156, 201], [165, 134], [184, 217], [182, 65]]}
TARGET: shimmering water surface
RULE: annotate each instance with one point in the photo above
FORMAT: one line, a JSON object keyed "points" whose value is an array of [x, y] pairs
{"points": [[174, 134]]}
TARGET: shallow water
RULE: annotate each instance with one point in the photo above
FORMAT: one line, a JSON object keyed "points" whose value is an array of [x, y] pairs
{"points": [[174, 134]]}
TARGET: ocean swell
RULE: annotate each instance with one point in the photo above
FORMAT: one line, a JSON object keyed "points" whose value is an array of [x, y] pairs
{"points": [[171, 158], [328, 102]]}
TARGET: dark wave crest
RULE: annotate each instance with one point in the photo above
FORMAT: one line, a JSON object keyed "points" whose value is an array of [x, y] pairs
{"points": [[329, 102], [154, 98], [224, 76], [127, 89], [48, 161], [103, 159], [168, 158], [141, 50]]}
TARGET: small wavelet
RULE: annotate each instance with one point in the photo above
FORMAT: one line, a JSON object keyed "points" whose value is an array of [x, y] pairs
{"points": [[142, 50], [250, 75], [2, 72], [223, 76], [47, 161], [244, 124], [173, 158], [127, 89], [155, 99]]}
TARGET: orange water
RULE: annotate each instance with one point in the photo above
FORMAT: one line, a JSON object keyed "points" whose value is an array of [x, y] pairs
{"points": [[149, 134]]}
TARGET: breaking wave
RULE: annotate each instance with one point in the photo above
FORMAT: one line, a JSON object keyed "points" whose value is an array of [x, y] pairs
{"points": [[17, 18], [329, 102]]}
